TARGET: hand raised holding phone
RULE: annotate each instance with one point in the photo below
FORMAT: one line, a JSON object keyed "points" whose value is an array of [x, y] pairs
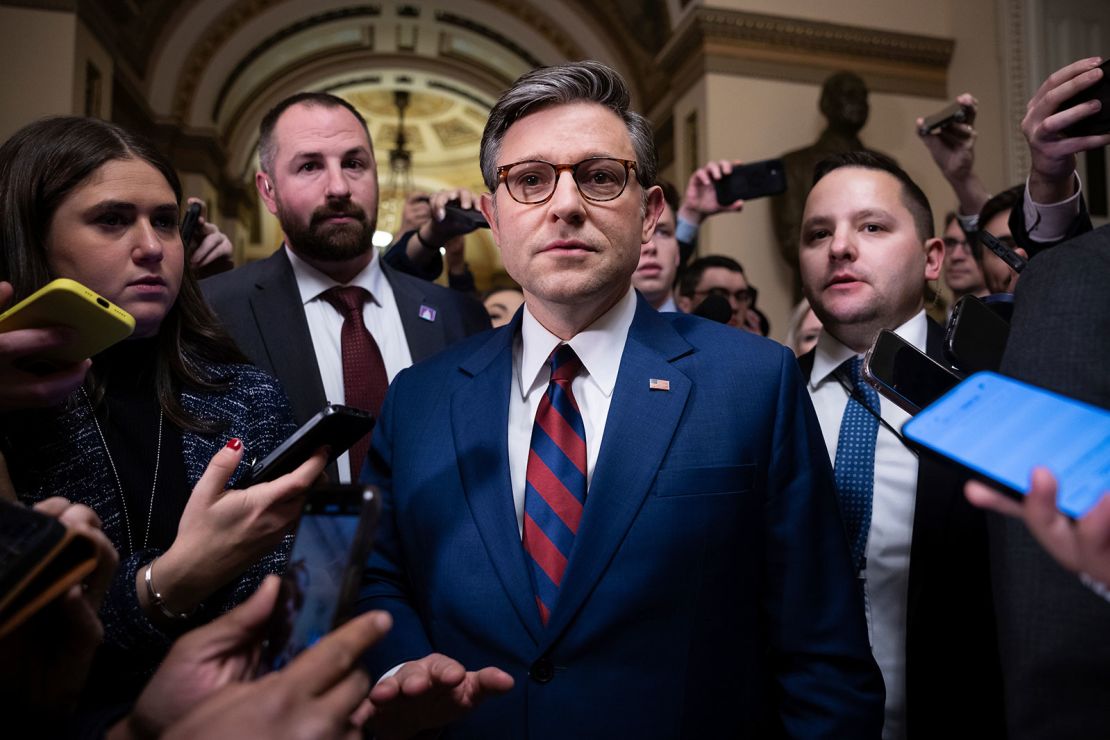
{"points": [[222, 532]]}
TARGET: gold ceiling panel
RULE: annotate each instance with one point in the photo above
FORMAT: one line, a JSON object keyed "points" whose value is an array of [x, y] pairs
{"points": [[380, 103], [456, 132]]}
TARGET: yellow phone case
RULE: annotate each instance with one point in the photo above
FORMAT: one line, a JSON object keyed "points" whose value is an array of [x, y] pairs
{"points": [[64, 302]]}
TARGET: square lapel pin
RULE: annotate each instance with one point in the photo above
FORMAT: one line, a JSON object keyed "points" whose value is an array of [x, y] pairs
{"points": [[427, 312], [658, 384]]}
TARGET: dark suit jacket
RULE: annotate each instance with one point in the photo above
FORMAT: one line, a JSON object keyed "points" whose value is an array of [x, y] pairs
{"points": [[1052, 629], [260, 307], [953, 679], [709, 593]]}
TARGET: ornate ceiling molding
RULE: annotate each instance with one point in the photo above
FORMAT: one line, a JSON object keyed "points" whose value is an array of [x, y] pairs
{"points": [[795, 49]]}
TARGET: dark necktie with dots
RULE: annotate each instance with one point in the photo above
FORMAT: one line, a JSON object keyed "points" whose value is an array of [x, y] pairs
{"points": [[855, 459]]}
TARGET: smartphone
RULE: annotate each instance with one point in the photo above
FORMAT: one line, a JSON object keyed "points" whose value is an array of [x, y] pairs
{"points": [[754, 180], [336, 427], [471, 217], [189, 225], [953, 114], [905, 374], [321, 581], [98, 322], [998, 429], [975, 338], [40, 559], [1098, 123], [1004, 251]]}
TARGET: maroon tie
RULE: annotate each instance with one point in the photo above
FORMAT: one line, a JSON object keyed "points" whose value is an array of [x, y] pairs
{"points": [[364, 377]]}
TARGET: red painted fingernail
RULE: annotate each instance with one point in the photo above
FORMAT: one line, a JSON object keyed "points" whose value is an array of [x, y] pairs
{"points": [[235, 443]]}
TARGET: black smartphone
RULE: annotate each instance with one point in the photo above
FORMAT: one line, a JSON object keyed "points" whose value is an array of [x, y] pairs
{"points": [[189, 224], [955, 113], [321, 581], [976, 336], [754, 180], [1004, 251], [471, 217], [336, 427], [1098, 123], [905, 374], [998, 429]]}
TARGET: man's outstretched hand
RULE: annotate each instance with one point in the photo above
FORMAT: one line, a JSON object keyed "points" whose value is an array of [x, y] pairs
{"points": [[430, 693]]}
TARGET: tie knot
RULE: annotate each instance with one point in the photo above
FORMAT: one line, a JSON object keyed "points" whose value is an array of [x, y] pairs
{"points": [[347, 299], [861, 389], [564, 363]]}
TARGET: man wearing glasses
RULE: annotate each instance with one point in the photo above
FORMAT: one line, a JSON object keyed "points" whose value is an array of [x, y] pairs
{"points": [[623, 520], [723, 277]]}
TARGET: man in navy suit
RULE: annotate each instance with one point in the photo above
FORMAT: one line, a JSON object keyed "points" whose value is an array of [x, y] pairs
{"points": [[676, 567]]}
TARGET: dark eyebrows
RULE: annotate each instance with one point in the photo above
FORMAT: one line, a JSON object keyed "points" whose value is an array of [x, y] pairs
{"points": [[123, 205]]}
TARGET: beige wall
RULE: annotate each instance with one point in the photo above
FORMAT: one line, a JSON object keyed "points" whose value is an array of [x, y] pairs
{"points": [[37, 56], [751, 119]]}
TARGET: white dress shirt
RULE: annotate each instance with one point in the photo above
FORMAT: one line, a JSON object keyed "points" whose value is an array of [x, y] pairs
{"points": [[886, 573], [325, 325], [600, 347], [668, 306]]}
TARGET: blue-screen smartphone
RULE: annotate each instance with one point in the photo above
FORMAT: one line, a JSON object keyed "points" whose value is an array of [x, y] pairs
{"points": [[999, 429], [321, 580]]}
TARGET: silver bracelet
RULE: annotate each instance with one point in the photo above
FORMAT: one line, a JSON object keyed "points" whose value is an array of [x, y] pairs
{"points": [[158, 601]]}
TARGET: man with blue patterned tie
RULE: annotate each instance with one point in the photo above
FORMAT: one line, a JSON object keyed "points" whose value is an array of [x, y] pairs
{"points": [[624, 515], [918, 548]]}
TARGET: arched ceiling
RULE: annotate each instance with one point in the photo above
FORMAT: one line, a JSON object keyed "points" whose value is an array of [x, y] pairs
{"points": [[213, 67]]}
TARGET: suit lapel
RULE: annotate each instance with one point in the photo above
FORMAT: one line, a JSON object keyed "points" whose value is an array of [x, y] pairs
{"points": [[638, 431], [279, 315], [484, 402], [424, 329]]}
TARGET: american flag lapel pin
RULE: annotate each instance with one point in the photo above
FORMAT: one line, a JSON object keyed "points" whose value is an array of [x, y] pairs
{"points": [[657, 384], [427, 312]]}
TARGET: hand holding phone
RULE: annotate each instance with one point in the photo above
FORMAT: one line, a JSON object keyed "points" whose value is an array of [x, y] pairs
{"points": [[999, 429], [324, 571], [1097, 123], [975, 338], [96, 323], [335, 427], [1048, 127]]}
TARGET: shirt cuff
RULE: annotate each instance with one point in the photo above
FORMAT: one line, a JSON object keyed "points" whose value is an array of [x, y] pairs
{"points": [[969, 224], [1048, 222], [684, 231], [1099, 588]]}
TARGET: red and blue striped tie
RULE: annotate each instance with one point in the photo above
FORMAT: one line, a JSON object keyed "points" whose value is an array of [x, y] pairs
{"points": [[556, 480]]}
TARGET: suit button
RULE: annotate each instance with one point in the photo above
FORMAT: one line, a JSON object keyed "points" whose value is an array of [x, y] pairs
{"points": [[542, 671]]}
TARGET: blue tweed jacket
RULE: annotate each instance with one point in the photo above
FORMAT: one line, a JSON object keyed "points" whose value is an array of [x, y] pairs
{"points": [[60, 454]]}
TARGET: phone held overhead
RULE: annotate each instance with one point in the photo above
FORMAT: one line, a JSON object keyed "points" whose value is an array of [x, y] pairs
{"points": [[97, 322], [1098, 123], [999, 429], [951, 115], [753, 180]]}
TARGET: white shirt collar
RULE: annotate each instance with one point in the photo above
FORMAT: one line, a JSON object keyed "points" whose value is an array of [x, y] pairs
{"points": [[594, 345], [311, 282], [669, 305], [831, 354]]}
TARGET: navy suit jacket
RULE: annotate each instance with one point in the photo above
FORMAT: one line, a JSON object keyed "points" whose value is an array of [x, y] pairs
{"points": [[709, 592]]}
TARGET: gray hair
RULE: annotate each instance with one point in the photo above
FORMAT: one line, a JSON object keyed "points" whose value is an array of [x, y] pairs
{"points": [[586, 81]]}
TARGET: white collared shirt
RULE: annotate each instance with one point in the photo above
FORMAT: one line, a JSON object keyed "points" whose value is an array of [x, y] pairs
{"points": [[600, 346], [668, 306], [886, 576], [325, 324]]}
